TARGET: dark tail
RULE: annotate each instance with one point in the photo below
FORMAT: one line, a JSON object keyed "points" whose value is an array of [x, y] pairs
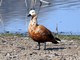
{"points": [[55, 42], [57, 39]]}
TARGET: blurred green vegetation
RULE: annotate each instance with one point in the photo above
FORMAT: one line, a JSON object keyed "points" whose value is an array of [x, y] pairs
{"points": [[69, 37], [64, 37], [11, 34]]}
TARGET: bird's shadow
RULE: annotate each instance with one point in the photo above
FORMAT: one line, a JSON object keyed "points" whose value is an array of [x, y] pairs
{"points": [[56, 49]]}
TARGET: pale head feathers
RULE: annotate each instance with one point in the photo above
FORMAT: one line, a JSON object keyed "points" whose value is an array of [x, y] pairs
{"points": [[32, 12]]}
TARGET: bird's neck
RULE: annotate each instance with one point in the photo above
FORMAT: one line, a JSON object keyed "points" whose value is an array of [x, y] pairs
{"points": [[33, 22], [34, 17]]}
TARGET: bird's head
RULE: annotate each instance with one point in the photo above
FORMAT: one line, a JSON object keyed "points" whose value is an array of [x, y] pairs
{"points": [[32, 13]]}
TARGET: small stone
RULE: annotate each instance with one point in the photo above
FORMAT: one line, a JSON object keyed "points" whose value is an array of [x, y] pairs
{"points": [[14, 56], [4, 42], [7, 54], [30, 53], [34, 52], [69, 47], [22, 48], [47, 56], [56, 54]]}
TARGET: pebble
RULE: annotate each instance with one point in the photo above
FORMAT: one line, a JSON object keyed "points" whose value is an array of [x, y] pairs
{"points": [[22, 48], [7, 54], [56, 54]]}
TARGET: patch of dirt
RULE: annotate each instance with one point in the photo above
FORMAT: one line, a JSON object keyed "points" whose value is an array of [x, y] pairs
{"points": [[24, 48]]}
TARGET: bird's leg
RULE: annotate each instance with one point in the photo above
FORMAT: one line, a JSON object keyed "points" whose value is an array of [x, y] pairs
{"points": [[44, 45], [39, 45]]}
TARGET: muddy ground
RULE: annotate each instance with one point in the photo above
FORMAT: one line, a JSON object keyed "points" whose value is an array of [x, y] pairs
{"points": [[24, 48]]}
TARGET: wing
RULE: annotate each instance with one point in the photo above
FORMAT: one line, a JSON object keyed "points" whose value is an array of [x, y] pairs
{"points": [[44, 32]]}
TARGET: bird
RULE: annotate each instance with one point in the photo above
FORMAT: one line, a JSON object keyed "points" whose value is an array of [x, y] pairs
{"points": [[46, 2], [40, 33]]}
